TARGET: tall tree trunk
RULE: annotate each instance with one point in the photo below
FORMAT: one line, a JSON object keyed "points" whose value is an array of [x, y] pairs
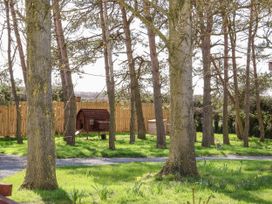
{"points": [[256, 82], [70, 109], [132, 120], [226, 80], [206, 21], [247, 86], [18, 39], [132, 74], [161, 139], [12, 81], [181, 161], [139, 112], [238, 120], [109, 70], [41, 164], [134, 85]]}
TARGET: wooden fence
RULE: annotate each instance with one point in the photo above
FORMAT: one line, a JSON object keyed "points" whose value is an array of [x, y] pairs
{"points": [[8, 116]]}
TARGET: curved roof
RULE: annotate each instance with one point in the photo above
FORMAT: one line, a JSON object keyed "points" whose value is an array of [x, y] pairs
{"points": [[98, 114]]}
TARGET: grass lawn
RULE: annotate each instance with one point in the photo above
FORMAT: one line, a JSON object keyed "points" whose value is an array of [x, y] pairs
{"points": [[227, 182], [94, 147]]}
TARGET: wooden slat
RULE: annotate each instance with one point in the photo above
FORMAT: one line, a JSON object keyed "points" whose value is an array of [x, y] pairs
{"points": [[8, 116]]}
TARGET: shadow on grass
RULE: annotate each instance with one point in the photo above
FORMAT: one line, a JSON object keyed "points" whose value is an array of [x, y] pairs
{"points": [[239, 183], [247, 197], [237, 180], [113, 173], [59, 196], [121, 152]]}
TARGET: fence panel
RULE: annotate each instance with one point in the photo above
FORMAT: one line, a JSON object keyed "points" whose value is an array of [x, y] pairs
{"points": [[8, 116]]}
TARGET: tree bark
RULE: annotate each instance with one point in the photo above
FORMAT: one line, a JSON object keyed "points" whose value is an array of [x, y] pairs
{"points": [[226, 80], [135, 90], [132, 74], [247, 85], [109, 70], [70, 109], [18, 39], [256, 83], [41, 166], [161, 138], [238, 120], [181, 161], [139, 112], [132, 120], [206, 24], [12, 81]]}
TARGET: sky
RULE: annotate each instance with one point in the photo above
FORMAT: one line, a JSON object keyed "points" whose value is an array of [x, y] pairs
{"points": [[90, 83]]}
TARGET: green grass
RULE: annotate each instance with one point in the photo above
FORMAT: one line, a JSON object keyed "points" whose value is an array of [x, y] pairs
{"points": [[228, 182], [94, 147]]}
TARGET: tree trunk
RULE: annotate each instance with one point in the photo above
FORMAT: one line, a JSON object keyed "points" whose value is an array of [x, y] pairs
{"points": [[132, 74], [206, 29], [108, 70], [132, 120], [40, 170], [247, 86], [139, 111], [135, 91], [70, 109], [226, 80], [161, 139], [181, 161], [256, 82], [133, 78], [238, 120], [18, 40], [12, 81], [194, 126]]}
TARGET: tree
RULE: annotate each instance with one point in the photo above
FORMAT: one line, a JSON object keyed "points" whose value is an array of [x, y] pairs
{"points": [[107, 46], [247, 85], [226, 75], [70, 109], [181, 160], [40, 170], [18, 39], [233, 43], [132, 74], [205, 12], [135, 88], [256, 80], [12, 81], [161, 140]]}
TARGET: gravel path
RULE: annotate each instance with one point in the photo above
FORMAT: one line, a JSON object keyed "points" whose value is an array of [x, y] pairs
{"points": [[10, 164]]}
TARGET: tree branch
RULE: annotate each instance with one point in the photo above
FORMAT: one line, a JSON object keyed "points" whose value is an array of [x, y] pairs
{"points": [[144, 20]]}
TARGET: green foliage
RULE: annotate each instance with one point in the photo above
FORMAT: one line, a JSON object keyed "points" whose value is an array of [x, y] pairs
{"points": [[76, 196], [266, 107], [103, 192], [5, 94], [136, 189], [200, 201], [228, 182], [57, 93]]}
